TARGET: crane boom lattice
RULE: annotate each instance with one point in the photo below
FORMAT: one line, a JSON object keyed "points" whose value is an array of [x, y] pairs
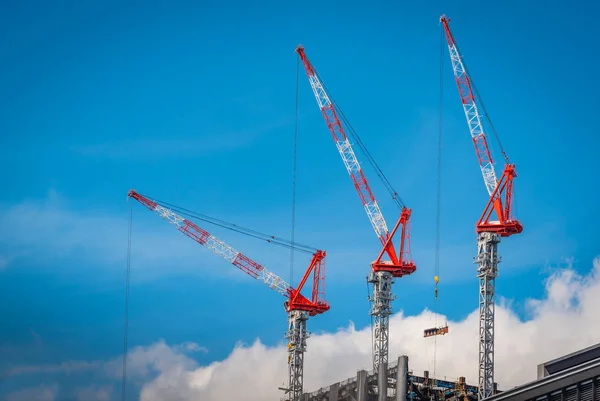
{"points": [[217, 246], [472, 114], [346, 152]]}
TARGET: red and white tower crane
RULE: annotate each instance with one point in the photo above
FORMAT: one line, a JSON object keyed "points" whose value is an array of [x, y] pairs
{"points": [[489, 232], [399, 264], [297, 306]]}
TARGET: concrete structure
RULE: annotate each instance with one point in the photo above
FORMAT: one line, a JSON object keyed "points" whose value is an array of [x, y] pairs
{"points": [[573, 377], [382, 385]]}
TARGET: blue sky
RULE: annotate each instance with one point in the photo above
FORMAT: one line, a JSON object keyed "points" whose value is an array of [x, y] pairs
{"points": [[193, 103]]}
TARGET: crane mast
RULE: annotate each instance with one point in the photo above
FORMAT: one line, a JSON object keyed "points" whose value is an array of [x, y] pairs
{"points": [[382, 272], [489, 232], [298, 307]]}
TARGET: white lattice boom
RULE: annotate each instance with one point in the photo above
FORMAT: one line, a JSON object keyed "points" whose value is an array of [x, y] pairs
{"points": [[473, 119], [350, 161], [217, 246]]}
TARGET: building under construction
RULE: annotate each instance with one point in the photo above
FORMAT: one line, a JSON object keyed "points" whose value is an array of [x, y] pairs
{"points": [[383, 385], [573, 377]]}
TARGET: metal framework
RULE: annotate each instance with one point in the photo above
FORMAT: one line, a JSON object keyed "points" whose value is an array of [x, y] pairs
{"points": [[298, 307], [296, 336], [383, 272], [489, 232]]}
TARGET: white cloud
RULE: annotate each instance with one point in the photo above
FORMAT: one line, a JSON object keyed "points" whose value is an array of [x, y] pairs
{"points": [[182, 146], [570, 306], [40, 227], [158, 358], [68, 367], [39, 393], [94, 393], [192, 347], [47, 229]]}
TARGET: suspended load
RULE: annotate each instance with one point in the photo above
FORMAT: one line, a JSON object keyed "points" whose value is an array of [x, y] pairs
{"points": [[436, 331]]}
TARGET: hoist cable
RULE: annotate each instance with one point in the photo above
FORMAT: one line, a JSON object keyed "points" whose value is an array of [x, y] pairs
{"points": [[294, 179], [439, 162], [439, 191], [249, 232], [126, 318], [234, 227]]}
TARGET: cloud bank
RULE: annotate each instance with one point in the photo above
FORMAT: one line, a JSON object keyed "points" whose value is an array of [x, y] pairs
{"points": [[566, 320]]}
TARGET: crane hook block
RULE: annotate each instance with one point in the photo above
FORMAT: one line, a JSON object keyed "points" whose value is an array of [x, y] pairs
{"points": [[437, 279]]}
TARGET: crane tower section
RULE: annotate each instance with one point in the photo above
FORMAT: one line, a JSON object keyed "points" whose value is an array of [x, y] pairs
{"points": [[489, 232], [399, 264]]}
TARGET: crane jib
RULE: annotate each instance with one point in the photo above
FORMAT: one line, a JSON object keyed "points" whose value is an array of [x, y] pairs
{"points": [[330, 113], [238, 259]]}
